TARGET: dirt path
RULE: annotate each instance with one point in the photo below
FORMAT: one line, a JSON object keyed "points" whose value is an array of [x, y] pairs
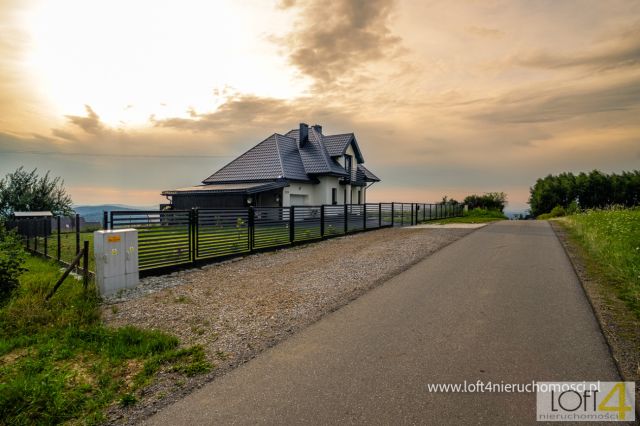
{"points": [[237, 309]]}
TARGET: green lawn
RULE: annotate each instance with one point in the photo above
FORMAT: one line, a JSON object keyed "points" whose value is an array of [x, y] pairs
{"points": [[474, 216], [67, 246], [611, 241], [59, 363]]}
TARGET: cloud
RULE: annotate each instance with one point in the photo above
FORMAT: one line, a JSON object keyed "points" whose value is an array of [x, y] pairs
{"points": [[333, 40], [621, 50], [247, 112], [538, 105], [90, 124]]}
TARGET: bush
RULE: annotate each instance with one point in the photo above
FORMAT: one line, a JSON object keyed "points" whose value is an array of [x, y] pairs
{"points": [[12, 257], [488, 201], [557, 211], [480, 212]]}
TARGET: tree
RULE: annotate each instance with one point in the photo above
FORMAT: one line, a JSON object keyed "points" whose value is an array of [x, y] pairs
{"points": [[489, 201], [584, 190], [27, 191]]}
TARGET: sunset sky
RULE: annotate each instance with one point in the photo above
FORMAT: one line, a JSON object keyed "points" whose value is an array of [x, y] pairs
{"points": [[124, 99]]}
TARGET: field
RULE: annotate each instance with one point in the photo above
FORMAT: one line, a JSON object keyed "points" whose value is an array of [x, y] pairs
{"points": [[611, 240], [59, 363]]}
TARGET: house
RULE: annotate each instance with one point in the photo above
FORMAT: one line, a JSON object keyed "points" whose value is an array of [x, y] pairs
{"points": [[302, 167]]}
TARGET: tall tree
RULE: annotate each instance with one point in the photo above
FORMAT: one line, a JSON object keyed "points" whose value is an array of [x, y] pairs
{"points": [[28, 191]]}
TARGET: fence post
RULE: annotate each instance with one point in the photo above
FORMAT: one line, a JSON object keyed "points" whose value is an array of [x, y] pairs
{"points": [[379, 215], [346, 220], [401, 214], [322, 221], [292, 224], [59, 242], [35, 238], [85, 265], [251, 227], [77, 233], [46, 233], [105, 220], [393, 213], [364, 213]]}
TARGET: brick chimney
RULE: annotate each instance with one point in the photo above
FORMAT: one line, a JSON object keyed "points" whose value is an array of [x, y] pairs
{"points": [[303, 134], [317, 128]]}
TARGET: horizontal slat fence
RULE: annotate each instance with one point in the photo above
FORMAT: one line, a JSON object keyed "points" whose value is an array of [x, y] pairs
{"points": [[178, 237], [164, 237]]}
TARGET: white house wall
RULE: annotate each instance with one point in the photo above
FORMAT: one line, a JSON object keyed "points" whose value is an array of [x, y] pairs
{"points": [[320, 193]]}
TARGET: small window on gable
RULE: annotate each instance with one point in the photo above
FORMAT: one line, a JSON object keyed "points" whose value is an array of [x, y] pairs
{"points": [[334, 196]]}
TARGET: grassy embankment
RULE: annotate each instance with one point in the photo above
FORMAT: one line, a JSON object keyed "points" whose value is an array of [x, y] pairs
{"points": [[59, 363], [475, 216], [610, 240]]}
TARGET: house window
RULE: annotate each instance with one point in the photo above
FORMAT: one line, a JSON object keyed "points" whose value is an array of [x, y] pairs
{"points": [[334, 196], [347, 164], [359, 199]]}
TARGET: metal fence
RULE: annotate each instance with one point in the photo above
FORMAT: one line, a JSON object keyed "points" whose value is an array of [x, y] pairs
{"points": [[60, 238], [169, 238]]}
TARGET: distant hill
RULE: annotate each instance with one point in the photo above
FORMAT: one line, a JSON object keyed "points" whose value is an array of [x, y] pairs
{"points": [[94, 213]]}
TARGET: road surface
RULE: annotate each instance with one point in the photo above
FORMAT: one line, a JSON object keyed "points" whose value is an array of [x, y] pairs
{"points": [[502, 304]]}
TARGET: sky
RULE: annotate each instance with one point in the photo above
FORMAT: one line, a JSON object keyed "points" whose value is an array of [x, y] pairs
{"points": [[124, 99]]}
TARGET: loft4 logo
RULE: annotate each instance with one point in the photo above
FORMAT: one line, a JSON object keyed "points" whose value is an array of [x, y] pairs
{"points": [[585, 401]]}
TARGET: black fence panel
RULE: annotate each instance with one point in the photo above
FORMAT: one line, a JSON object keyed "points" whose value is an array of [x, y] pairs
{"points": [[356, 215], [334, 220], [221, 232], [164, 237], [387, 214], [307, 224], [271, 227], [373, 213]]}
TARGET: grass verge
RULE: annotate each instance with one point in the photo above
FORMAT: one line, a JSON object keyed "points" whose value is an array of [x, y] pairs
{"points": [[611, 240], [602, 246], [59, 363]]}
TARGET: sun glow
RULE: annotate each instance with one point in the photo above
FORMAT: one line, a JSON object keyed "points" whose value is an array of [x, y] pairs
{"points": [[130, 60]]}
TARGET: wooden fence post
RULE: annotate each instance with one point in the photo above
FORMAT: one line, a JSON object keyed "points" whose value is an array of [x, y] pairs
{"points": [[322, 221]]}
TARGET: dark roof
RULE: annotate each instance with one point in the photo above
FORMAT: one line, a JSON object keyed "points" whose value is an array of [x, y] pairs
{"points": [[238, 188], [314, 155], [281, 157], [274, 158], [337, 145], [364, 174]]}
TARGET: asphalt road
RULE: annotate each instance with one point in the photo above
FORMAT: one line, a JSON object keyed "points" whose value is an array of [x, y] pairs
{"points": [[502, 304]]}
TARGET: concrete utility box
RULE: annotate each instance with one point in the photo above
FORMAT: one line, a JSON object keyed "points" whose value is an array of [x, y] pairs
{"points": [[116, 254]]}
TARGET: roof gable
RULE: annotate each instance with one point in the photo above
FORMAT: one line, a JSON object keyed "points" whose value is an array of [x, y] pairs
{"points": [[314, 155]]}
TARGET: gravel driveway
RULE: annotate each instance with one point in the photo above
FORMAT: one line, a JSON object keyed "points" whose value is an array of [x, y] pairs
{"points": [[237, 309]]}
